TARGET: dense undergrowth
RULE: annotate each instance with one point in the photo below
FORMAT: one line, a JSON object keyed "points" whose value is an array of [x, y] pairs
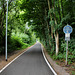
{"points": [[44, 17], [62, 51], [18, 41]]}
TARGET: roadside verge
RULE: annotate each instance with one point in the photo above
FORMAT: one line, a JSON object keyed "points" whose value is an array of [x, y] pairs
{"points": [[58, 69], [4, 64]]}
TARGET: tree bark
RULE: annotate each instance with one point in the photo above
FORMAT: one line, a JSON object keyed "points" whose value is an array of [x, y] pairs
{"points": [[49, 5], [56, 34], [56, 38], [57, 42], [48, 29]]}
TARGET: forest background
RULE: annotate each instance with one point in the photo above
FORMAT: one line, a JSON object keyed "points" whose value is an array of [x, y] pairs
{"points": [[43, 19]]}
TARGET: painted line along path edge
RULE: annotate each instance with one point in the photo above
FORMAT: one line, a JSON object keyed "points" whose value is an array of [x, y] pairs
{"points": [[15, 59], [48, 62]]}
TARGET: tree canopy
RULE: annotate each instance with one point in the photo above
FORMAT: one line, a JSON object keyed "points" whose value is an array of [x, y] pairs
{"points": [[44, 19]]}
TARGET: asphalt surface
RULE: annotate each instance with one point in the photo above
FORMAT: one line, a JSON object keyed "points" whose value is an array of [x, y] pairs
{"points": [[30, 63]]}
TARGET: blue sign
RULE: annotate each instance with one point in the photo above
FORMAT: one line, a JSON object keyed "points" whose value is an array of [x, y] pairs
{"points": [[67, 29]]}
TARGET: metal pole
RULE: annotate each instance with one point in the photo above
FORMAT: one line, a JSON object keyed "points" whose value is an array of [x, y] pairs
{"points": [[6, 30], [66, 52]]}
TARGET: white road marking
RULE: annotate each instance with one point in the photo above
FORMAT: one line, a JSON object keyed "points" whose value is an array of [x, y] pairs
{"points": [[48, 62], [14, 59], [23, 53]]}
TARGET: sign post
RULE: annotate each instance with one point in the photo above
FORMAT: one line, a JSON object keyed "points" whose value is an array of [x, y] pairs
{"points": [[66, 52], [67, 30], [6, 30]]}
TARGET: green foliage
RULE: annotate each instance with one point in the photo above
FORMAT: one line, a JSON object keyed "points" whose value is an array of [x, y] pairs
{"points": [[71, 56], [62, 52], [16, 41], [23, 37], [19, 34], [73, 72], [36, 14]]}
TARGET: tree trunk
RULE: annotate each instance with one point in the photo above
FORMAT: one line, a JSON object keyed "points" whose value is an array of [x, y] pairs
{"points": [[48, 30], [49, 5], [56, 34], [56, 38], [57, 43]]}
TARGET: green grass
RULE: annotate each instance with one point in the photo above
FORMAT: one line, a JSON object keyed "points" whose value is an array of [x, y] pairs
{"points": [[73, 72], [57, 63]]}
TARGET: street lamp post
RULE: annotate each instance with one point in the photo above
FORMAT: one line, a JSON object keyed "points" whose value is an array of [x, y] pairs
{"points": [[6, 30]]}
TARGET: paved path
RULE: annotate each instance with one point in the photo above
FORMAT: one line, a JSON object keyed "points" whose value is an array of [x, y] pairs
{"points": [[30, 63]]}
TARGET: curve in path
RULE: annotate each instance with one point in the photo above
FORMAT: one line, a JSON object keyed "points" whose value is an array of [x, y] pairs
{"points": [[30, 63]]}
